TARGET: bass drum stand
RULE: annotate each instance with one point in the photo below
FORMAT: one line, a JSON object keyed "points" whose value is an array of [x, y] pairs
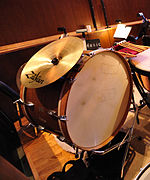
{"points": [[122, 146], [94, 159]]}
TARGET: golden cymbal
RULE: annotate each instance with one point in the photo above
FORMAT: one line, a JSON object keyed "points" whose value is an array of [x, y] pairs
{"points": [[52, 62]]}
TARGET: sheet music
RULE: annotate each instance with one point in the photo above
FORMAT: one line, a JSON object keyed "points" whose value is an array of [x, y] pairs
{"points": [[122, 31]]}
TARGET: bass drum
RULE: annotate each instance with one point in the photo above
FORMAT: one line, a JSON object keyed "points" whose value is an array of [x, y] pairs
{"points": [[93, 99]]}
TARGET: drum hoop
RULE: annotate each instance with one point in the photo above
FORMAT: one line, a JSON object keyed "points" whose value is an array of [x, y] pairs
{"points": [[142, 171], [64, 99], [18, 82], [139, 73], [138, 70]]}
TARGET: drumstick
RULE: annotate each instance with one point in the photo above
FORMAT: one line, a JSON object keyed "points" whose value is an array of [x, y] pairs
{"points": [[136, 46], [142, 47], [131, 47], [127, 54]]}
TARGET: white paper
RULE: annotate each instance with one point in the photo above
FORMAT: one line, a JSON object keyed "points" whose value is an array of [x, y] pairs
{"points": [[122, 31]]}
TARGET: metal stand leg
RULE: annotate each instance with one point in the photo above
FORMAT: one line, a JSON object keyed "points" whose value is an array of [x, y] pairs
{"points": [[133, 103], [18, 114], [35, 129], [135, 108], [129, 141]]}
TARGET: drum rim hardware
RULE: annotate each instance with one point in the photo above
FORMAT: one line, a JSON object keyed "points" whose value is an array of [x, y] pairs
{"points": [[142, 170], [28, 104], [54, 114]]}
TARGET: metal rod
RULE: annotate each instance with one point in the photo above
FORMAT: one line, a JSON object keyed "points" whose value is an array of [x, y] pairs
{"points": [[129, 141], [104, 11], [111, 148], [92, 13]]}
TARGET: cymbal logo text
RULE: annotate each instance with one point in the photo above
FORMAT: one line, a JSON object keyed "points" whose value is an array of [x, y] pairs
{"points": [[34, 77]]}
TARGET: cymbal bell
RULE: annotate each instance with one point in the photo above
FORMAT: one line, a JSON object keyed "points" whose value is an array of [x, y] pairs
{"points": [[52, 62]]}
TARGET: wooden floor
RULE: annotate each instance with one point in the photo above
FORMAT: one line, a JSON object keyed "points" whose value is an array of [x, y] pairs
{"points": [[45, 156]]}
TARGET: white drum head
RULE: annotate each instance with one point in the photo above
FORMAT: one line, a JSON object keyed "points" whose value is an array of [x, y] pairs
{"points": [[98, 100]]}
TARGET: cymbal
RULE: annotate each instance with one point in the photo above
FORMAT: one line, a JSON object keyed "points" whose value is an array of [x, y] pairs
{"points": [[52, 62]]}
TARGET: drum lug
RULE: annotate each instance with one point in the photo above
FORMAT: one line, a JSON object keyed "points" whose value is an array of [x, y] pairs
{"points": [[29, 104], [54, 114], [71, 80], [62, 118]]}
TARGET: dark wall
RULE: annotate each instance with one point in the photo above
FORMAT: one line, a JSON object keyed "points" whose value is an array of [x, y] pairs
{"points": [[22, 20], [10, 64], [126, 10]]}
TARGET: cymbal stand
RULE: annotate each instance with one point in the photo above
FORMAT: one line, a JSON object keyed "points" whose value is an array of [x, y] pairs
{"points": [[62, 29], [83, 31], [15, 97], [18, 102]]}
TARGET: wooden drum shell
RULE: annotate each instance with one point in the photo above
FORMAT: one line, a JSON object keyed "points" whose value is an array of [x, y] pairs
{"points": [[44, 99]]}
